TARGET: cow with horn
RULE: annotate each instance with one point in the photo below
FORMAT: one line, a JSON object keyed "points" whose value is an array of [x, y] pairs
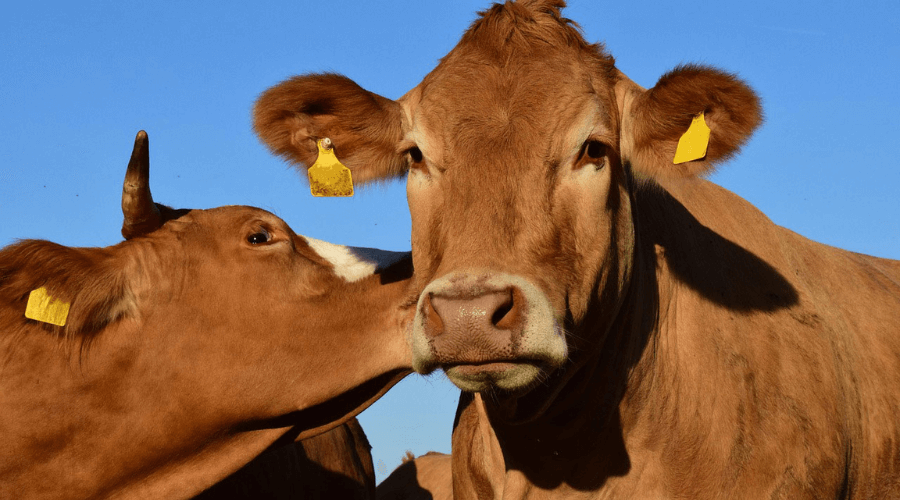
{"points": [[158, 366]]}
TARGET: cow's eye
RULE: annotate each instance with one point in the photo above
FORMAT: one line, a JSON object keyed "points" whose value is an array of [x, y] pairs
{"points": [[259, 237], [593, 152], [415, 155]]}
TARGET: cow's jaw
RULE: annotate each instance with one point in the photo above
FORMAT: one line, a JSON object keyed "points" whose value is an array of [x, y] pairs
{"points": [[487, 330]]}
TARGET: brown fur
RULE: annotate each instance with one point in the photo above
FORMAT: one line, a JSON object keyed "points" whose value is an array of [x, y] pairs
{"points": [[169, 316], [517, 23], [711, 353]]}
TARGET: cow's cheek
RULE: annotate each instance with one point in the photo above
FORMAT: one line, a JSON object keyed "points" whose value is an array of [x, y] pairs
{"points": [[585, 196], [425, 208]]}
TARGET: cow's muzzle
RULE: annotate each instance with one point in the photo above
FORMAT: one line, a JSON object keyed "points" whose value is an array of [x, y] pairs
{"points": [[486, 330]]}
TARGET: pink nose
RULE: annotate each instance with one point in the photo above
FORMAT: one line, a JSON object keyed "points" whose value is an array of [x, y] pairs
{"points": [[475, 328]]}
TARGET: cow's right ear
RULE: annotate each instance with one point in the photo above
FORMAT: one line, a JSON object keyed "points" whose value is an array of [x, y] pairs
{"points": [[365, 128]]}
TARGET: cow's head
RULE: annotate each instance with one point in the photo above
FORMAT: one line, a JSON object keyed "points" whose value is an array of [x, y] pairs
{"points": [[208, 333], [288, 306], [228, 304], [522, 149]]}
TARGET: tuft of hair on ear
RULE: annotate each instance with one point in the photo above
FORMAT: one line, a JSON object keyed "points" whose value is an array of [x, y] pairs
{"points": [[662, 114], [364, 127], [89, 279]]}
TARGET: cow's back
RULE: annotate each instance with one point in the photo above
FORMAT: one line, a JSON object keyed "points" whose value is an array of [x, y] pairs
{"points": [[857, 304]]}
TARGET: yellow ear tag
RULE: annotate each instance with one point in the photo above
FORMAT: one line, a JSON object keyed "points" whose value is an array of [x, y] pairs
{"points": [[692, 145], [327, 176], [42, 307]]}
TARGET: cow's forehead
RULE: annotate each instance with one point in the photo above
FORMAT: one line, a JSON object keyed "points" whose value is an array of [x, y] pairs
{"points": [[505, 79], [222, 222], [532, 110]]}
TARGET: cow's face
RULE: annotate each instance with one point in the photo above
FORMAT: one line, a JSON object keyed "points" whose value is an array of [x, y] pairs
{"points": [[263, 304], [519, 204], [522, 147], [233, 294]]}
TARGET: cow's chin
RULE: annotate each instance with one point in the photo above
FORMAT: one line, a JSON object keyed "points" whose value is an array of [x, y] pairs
{"points": [[515, 392], [507, 377]]}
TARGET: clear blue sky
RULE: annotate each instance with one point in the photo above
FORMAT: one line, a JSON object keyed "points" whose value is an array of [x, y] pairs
{"points": [[79, 79]]}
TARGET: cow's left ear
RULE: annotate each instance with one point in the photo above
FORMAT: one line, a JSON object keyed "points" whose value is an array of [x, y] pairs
{"points": [[654, 120], [365, 128], [86, 288]]}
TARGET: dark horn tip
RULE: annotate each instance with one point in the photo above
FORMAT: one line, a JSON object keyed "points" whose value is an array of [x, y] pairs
{"points": [[141, 141]]}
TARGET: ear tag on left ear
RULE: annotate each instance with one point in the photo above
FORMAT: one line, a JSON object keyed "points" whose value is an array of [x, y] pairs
{"points": [[692, 145], [327, 176], [42, 307]]}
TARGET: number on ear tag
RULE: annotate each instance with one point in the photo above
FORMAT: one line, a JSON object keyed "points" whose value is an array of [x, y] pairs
{"points": [[692, 145], [327, 176], [42, 307]]}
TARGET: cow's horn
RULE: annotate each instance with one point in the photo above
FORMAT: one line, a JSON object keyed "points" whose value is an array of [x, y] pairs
{"points": [[141, 214]]}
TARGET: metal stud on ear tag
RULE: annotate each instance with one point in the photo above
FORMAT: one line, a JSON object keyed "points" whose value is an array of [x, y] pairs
{"points": [[692, 145], [327, 176], [42, 307]]}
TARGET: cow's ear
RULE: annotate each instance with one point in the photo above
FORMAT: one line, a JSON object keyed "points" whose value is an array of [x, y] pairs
{"points": [[365, 128], [654, 120], [89, 283]]}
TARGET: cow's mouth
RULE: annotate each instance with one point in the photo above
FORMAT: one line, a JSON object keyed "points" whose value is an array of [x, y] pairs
{"points": [[512, 376]]}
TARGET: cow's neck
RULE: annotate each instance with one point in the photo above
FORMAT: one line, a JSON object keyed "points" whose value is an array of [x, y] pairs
{"points": [[102, 426], [96, 434]]}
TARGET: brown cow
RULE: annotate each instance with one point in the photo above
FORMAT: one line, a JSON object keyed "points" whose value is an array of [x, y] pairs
{"points": [[206, 338], [621, 326]]}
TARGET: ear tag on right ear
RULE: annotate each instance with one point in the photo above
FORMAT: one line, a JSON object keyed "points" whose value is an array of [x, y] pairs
{"points": [[42, 307], [692, 145], [327, 176]]}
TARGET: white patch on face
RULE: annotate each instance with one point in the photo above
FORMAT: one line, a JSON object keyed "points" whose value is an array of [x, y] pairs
{"points": [[354, 263], [381, 258]]}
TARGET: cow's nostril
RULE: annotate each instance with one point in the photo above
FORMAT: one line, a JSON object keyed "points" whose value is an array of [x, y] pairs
{"points": [[503, 310], [497, 311], [434, 325]]}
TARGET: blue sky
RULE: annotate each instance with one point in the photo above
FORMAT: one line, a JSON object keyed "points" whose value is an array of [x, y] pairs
{"points": [[78, 80]]}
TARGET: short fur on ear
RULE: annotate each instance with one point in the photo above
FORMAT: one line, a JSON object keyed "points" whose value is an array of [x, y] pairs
{"points": [[364, 127], [86, 278], [654, 120]]}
